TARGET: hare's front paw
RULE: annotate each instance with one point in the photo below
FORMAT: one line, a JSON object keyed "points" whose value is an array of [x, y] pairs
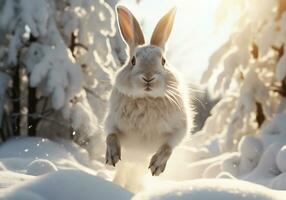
{"points": [[113, 150], [159, 160]]}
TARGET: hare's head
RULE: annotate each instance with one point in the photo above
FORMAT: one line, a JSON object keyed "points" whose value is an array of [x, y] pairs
{"points": [[145, 74]]}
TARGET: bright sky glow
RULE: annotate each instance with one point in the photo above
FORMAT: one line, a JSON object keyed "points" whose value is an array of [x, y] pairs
{"points": [[195, 35]]}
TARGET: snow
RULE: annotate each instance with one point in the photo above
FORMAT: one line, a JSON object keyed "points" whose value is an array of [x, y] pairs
{"points": [[250, 147], [36, 15], [7, 14], [244, 138], [258, 158], [274, 131], [62, 82], [67, 184], [231, 164], [266, 169], [40, 169], [67, 50], [215, 189], [281, 159], [241, 157], [32, 148], [279, 183]]}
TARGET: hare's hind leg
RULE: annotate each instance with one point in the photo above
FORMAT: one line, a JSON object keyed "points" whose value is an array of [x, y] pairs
{"points": [[113, 149], [159, 160]]}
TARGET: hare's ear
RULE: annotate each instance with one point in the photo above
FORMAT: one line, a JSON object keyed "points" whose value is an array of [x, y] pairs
{"points": [[163, 29], [129, 28]]}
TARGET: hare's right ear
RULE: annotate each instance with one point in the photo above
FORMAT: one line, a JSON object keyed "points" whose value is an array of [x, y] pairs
{"points": [[129, 28], [163, 29]]}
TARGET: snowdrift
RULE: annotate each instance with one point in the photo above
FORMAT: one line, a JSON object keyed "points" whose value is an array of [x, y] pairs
{"points": [[66, 184], [215, 189], [40, 169]]}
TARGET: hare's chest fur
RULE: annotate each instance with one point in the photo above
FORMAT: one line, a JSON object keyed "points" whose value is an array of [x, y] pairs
{"points": [[146, 119]]}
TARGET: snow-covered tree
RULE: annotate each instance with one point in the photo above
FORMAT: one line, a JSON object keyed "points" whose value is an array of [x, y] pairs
{"points": [[245, 135], [251, 71], [56, 64]]}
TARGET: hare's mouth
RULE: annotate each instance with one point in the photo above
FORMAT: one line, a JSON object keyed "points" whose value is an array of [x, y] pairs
{"points": [[148, 87]]}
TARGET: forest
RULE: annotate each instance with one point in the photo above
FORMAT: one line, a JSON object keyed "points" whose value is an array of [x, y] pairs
{"points": [[64, 94]]}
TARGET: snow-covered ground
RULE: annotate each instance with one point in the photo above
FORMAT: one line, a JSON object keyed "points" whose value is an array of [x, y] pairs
{"points": [[40, 169], [215, 189]]}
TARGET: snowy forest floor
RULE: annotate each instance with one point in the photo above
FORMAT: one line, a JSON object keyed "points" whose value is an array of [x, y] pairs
{"points": [[40, 169]]}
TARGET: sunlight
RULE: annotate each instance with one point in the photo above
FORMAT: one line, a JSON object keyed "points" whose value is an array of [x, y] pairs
{"points": [[78, 123], [200, 28], [197, 32]]}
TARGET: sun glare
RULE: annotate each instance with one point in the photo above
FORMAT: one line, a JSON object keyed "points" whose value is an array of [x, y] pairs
{"points": [[199, 29]]}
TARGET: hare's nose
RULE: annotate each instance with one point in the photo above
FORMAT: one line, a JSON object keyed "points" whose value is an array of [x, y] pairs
{"points": [[148, 80]]}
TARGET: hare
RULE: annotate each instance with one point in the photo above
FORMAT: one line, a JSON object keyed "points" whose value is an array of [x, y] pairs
{"points": [[148, 110]]}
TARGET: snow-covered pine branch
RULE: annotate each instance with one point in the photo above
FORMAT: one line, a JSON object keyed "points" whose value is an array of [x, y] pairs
{"points": [[249, 67], [245, 137], [66, 49]]}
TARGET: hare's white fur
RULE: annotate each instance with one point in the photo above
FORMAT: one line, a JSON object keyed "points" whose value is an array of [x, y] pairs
{"points": [[148, 119], [149, 108]]}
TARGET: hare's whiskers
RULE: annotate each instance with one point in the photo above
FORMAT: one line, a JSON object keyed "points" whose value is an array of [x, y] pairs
{"points": [[172, 97]]}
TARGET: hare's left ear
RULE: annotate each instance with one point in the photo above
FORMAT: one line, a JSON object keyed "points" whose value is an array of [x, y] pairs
{"points": [[130, 28], [163, 29]]}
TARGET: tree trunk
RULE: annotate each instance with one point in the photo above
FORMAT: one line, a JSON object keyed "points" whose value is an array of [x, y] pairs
{"points": [[32, 109], [16, 102]]}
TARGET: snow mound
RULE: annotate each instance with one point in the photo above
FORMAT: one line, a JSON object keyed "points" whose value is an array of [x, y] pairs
{"points": [[281, 159], [215, 189], [231, 164], [33, 147], [23, 159], [266, 169], [274, 131], [250, 147], [40, 167], [279, 183], [19, 154], [66, 184]]}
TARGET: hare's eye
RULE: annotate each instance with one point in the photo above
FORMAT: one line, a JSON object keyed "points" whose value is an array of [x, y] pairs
{"points": [[133, 61], [163, 61]]}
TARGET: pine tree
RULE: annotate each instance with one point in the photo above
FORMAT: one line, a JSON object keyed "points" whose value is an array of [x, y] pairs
{"points": [[245, 135], [56, 63], [252, 74]]}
